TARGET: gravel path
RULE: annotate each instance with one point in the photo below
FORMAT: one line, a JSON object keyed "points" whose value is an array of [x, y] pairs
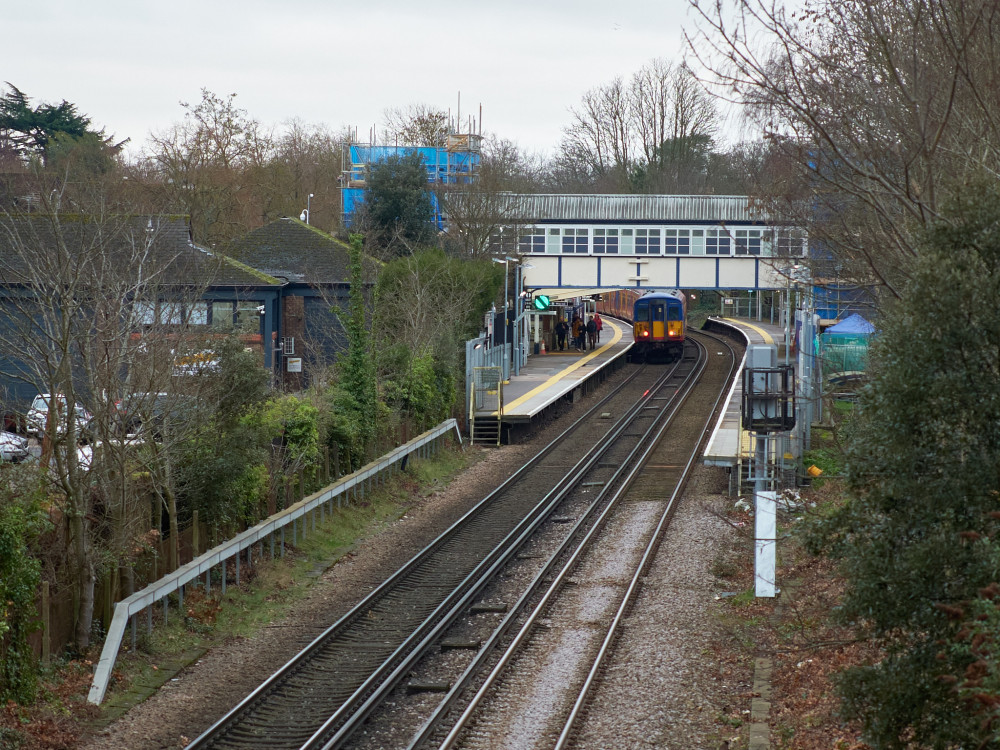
{"points": [[664, 687]]}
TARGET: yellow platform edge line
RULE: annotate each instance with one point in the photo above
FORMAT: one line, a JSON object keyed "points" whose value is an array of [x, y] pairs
{"points": [[575, 366], [767, 336]]}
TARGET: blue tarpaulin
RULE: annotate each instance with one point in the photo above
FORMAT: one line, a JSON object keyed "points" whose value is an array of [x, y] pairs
{"points": [[852, 325], [844, 347]]}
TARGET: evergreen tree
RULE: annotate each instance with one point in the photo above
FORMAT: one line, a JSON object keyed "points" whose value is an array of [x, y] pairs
{"points": [[398, 210], [358, 397], [30, 130], [924, 472]]}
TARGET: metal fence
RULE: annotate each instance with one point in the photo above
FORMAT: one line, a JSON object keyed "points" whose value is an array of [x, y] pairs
{"points": [[481, 353], [271, 530]]}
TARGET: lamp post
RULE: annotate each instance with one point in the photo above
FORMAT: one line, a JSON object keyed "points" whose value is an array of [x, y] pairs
{"points": [[304, 216], [506, 312]]}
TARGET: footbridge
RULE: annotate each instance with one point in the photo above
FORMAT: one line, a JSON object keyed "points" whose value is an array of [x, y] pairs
{"points": [[594, 242]]}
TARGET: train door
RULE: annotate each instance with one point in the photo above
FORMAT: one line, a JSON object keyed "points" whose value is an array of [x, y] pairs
{"points": [[658, 311]]}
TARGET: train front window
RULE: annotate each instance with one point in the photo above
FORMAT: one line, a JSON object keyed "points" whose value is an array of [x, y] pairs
{"points": [[674, 312], [641, 312], [658, 312]]}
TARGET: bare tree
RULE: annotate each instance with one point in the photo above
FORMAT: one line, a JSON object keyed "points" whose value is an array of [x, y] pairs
{"points": [[415, 125], [644, 134], [207, 166], [79, 280], [885, 107]]}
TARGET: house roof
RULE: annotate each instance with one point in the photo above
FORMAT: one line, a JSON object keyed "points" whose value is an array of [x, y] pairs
{"points": [[291, 249], [33, 246]]}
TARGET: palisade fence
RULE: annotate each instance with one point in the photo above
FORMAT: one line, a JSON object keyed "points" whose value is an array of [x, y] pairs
{"points": [[272, 531]]}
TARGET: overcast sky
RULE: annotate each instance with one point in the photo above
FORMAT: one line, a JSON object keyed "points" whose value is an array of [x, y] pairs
{"points": [[127, 64]]}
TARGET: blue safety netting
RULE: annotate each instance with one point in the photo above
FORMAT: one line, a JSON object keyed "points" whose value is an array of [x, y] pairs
{"points": [[844, 346]]}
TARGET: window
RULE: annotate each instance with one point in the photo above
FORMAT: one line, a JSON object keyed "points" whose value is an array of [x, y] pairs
{"points": [[222, 316], [677, 241], [717, 242], [145, 313], [531, 243], [197, 314], [553, 241], [674, 312], [647, 241], [605, 240], [789, 242], [248, 320], [626, 246], [575, 240], [171, 313], [747, 242], [658, 312], [642, 312]]}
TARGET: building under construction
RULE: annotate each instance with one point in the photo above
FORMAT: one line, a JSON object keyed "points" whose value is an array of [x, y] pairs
{"points": [[456, 162]]}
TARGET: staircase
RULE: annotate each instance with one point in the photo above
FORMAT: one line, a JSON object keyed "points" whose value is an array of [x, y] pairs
{"points": [[485, 431]]}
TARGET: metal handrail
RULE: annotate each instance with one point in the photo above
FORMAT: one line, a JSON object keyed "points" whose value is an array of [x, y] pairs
{"points": [[168, 584]]}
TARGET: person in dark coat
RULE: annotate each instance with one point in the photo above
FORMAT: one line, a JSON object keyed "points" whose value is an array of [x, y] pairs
{"points": [[592, 332], [579, 330], [562, 328]]}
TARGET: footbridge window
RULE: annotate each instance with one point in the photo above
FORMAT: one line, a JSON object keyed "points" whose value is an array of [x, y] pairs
{"points": [[748, 242], [575, 240], [677, 241], [647, 241], [605, 240], [717, 242]]}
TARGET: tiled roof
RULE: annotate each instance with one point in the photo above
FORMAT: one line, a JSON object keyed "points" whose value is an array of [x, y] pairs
{"points": [[291, 249], [151, 244]]}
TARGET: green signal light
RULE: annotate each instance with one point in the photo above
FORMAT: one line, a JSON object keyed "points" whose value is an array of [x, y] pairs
{"points": [[542, 302]]}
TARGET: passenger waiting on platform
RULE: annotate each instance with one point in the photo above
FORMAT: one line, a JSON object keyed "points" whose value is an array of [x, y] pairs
{"points": [[592, 332], [562, 328], [578, 333], [600, 324]]}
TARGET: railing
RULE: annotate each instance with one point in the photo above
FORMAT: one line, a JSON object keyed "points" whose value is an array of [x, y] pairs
{"points": [[356, 484], [481, 353]]}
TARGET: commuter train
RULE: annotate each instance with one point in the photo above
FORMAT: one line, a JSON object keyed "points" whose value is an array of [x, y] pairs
{"points": [[658, 323]]}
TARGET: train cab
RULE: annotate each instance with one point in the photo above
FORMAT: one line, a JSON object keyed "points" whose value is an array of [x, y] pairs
{"points": [[658, 322]]}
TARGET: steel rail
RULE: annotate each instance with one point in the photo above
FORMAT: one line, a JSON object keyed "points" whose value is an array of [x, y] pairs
{"points": [[253, 701], [648, 445], [350, 718], [630, 594]]}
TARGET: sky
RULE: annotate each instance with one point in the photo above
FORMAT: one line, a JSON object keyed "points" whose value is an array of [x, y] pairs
{"points": [[128, 64]]}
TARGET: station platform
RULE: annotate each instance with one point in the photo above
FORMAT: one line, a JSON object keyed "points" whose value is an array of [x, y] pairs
{"points": [[547, 380], [729, 444]]}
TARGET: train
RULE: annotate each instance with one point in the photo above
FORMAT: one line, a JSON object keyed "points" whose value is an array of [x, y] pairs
{"points": [[658, 323], [659, 319]]}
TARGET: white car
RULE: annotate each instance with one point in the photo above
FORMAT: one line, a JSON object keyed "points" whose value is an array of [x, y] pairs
{"points": [[13, 448], [38, 415]]}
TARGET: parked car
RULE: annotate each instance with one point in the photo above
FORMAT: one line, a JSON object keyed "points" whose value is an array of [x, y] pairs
{"points": [[38, 415], [13, 448]]}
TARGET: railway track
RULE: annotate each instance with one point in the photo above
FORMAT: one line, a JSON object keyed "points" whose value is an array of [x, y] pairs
{"points": [[326, 693], [549, 644]]}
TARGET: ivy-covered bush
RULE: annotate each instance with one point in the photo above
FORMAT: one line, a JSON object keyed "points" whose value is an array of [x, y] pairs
{"points": [[20, 522]]}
